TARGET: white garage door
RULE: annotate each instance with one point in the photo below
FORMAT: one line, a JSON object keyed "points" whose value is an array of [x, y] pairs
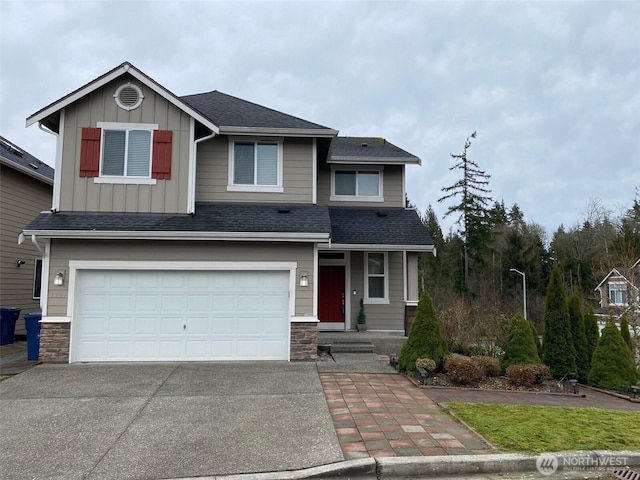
{"points": [[178, 315]]}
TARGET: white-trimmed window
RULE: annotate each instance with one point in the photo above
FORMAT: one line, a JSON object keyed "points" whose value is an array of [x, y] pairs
{"points": [[376, 285], [362, 184], [255, 165], [126, 152], [618, 293]]}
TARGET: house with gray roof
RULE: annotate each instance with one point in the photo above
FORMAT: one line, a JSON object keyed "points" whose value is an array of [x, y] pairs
{"points": [[620, 291], [206, 227], [26, 185]]}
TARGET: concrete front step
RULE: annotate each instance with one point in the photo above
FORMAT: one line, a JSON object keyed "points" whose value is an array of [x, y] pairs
{"points": [[352, 347]]}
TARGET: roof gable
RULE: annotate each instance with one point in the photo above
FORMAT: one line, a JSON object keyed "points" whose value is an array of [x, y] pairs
{"points": [[21, 160], [125, 68], [369, 150]]}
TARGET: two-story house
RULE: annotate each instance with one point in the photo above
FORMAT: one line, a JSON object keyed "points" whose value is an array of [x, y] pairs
{"points": [[206, 227], [619, 291]]}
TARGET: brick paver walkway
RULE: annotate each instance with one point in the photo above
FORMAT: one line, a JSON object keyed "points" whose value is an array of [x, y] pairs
{"points": [[384, 415]]}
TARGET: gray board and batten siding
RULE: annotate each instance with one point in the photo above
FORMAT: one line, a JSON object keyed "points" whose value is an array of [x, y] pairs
{"points": [[82, 194]]}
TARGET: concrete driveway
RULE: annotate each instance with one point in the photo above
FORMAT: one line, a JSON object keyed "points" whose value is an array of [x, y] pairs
{"points": [[167, 420]]}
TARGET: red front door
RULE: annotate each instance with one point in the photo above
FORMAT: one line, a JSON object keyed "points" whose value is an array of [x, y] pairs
{"points": [[331, 293]]}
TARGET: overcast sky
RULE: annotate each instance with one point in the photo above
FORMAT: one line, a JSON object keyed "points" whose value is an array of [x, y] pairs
{"points": [[552, 88]]}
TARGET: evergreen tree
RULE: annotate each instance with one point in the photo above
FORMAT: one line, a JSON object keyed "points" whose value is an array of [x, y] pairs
{"points": [[521, 343], [558, 351], [611, 366], [592, 332], [425, 337], [624, 331], [579, 336], [471, 193], [536, 340]]}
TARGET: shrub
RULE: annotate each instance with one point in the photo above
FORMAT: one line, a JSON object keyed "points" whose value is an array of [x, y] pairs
{"points": [[425, 337], [521, 344], [463, 371], [527, 375], [612, 367], [490, 366], [557, 347], [477, 350], [624, 331], [426, 364], [592, 332]]}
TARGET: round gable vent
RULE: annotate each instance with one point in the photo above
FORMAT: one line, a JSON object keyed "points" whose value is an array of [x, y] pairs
{"points": [[128, 96]]}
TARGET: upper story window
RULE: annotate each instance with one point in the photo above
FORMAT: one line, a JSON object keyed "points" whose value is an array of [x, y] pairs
{"points": [[126, 153], [376, 267], [255, 165], [618, 293], [357, 185]]}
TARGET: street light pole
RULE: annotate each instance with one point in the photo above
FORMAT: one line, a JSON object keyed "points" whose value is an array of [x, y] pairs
{"points": [[524, 290]]}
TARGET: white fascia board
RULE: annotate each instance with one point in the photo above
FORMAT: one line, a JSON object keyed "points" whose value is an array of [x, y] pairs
{"points": [[105, 79], [376, 247], [283, 132], [375, 160], [26, 171], [615, 270], [159, 235]]}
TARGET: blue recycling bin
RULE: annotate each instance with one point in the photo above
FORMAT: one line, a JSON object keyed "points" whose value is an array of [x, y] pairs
{"points": [[32, 324], [8, 317]]}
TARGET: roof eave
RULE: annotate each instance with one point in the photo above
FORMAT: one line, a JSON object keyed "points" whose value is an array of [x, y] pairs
{"points": [[99, 82], [26, 171], [374, 160], [272, 132], [179, 235], [376, 247]]}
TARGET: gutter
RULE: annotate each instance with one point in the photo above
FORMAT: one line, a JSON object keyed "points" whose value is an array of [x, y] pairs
{"points": [[164, 235], [378, 247]]}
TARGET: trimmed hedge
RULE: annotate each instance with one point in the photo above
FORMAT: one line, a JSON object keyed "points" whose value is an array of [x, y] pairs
{"points": [[490, 366], [521, 343], [463, 371], [527, 375]]}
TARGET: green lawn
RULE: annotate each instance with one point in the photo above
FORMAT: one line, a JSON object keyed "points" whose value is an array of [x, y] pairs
{"points": [[533, 429]]}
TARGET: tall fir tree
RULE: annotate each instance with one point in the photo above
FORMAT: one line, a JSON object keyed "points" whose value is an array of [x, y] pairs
{"points": [[579, 336], [591, 331], [558, 351], [471, 193], [624, 331]]}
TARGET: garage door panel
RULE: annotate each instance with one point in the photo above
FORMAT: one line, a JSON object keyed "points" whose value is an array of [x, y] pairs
{"points": [[178, 315]]}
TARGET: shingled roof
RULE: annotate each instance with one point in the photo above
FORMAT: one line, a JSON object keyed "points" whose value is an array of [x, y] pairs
{"points": [[382, 226], [228, 111], [369, 150], [393, 227], [209, 218], [23, 161]]}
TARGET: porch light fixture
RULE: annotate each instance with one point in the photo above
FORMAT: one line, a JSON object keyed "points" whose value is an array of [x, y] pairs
{"points": [[58, 279], [304, 279]]}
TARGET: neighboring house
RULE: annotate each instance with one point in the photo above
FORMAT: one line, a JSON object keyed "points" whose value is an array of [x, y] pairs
{"points": [[25, 190], [206, 227], [619, 291]]}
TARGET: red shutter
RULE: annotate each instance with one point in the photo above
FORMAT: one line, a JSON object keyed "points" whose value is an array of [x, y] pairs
{"points": [[90, 152], [161, 162]]}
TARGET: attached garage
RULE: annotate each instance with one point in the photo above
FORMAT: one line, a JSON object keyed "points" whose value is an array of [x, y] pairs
{"points": [[180, 315]]}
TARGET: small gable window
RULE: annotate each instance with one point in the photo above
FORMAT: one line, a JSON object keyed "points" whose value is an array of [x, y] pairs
{"points": [[618, 293], [354, 185], [255, 166], [126, 153]]}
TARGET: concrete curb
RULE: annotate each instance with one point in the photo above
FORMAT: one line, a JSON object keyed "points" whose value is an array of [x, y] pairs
{"points": [[454, 465]]}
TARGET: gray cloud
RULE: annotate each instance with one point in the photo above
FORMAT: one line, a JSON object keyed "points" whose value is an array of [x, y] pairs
{"points": [[551, 87]]}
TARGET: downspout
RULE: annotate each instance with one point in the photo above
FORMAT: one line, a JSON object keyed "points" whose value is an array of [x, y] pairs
{"points": [[193, 178], [34, 240], [55, 197]]}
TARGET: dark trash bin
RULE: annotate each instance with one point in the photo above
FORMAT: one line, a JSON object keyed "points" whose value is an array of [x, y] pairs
{"points": [[8, 317], [32, 324]]}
